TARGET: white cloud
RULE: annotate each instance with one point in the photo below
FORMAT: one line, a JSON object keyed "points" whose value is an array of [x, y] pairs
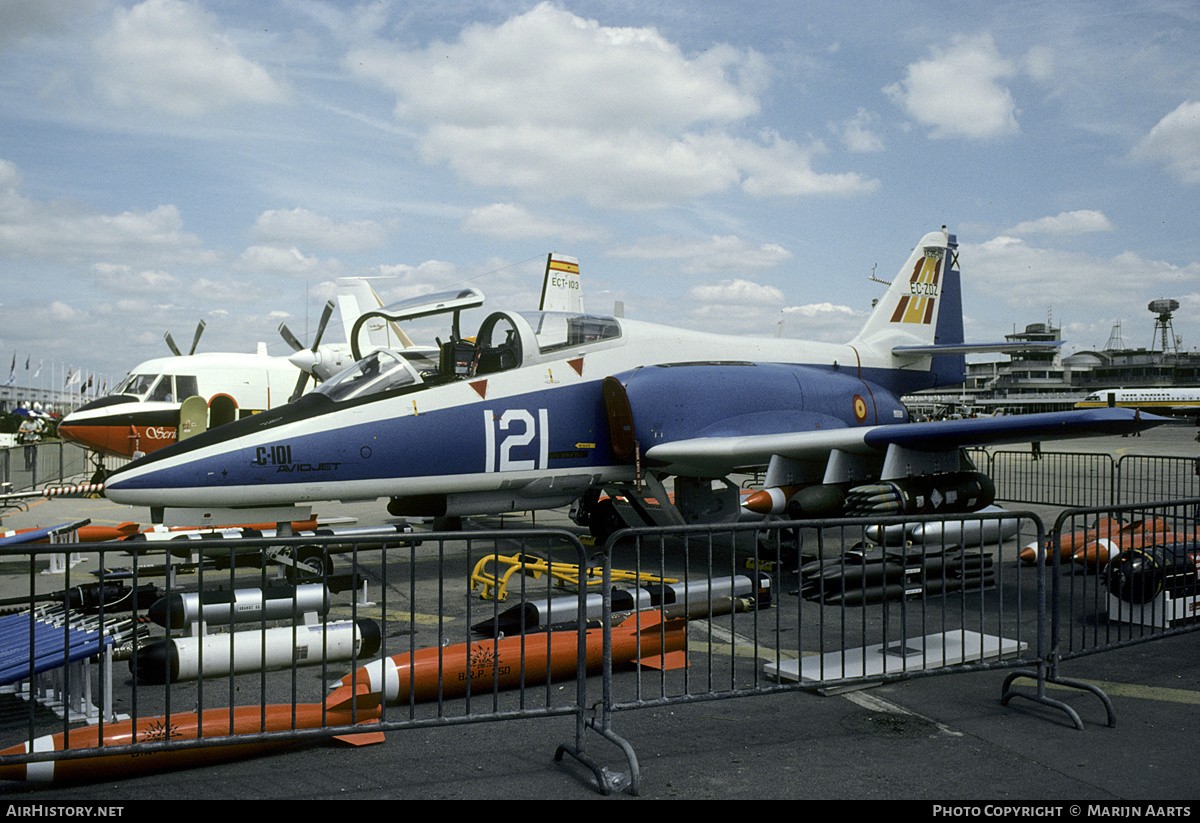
{"points": [[698, 256], [285, 261], [122, 278], [63, 231], [549, 67], [739, 306], [225, 292], [1175, 142], [510, 220], [306, 228], [777, 167], [555, 106], [738, 291], [167, 55], [10, 177], [401, 281], [823, 310], [959, 91], [1083, 221], [61, 311], [829, 322], [856, 134], [1030, 280]]}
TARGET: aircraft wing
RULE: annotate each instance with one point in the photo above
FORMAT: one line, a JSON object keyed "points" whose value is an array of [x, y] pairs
{"points": [[717, 456]]}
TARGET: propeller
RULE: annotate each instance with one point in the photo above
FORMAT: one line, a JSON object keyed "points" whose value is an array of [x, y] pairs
{"points": [[305, 359], [195, 341]]}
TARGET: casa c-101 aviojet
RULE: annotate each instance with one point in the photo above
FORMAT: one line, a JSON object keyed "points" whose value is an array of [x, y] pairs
{"points": [[170, 398], [544, 409]]}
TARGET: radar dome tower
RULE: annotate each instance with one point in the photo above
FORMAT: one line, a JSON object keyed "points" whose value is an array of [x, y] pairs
{"points": [[1163, 309]]}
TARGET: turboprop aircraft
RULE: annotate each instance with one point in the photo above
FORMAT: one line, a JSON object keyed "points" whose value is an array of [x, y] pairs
{"points": [[143, 414], [150, 408], [541, 409]]}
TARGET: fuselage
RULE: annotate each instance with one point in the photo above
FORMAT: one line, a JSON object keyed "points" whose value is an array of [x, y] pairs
{"points": [[142, 415], [521, 422]]}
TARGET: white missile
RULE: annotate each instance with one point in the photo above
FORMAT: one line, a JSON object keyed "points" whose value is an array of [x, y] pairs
{"points": [[214, 655]]}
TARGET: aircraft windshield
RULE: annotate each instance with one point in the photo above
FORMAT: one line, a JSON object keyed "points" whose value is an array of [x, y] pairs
{"points": [[138, 385], [562, 330], [379, 371], [154, 387]]}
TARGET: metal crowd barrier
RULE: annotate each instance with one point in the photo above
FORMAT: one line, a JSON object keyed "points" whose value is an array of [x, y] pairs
{"points": [[1150, 478], [481, 626], [1118, 576], [825, 605], [279, 653], [26, 467], [1053, 478], [1081, 479]]}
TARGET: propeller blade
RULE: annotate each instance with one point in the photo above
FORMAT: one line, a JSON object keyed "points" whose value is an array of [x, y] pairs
{"points": [[290, 338], [196, 339], [171, 345], [325, 315], [305, 359], [301, 385]]}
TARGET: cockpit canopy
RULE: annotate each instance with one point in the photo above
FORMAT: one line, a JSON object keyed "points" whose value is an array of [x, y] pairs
{"points": [[505, 340], [556, 331], [378, 372]]}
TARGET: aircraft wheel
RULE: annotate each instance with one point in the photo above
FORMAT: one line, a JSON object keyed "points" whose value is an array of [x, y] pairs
{"points": [[318, 561], [603, 520]]}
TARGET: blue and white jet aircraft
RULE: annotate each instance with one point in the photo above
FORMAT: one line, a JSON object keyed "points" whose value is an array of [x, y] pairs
{"points": [[543, 409]]}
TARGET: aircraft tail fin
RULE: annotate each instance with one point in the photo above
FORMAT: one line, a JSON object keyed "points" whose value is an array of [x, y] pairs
{"points": [[356, 296], [561, 287], [921, 311]]}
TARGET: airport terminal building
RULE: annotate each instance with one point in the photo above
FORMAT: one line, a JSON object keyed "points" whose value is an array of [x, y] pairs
{"points": [[1041, 382]]}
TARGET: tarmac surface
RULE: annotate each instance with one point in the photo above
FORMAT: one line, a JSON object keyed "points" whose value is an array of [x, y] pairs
{"points": [[942, 740]]}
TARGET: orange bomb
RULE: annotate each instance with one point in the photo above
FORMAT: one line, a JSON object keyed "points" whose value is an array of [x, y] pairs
{"points": [[644, 637], [242, 720]]}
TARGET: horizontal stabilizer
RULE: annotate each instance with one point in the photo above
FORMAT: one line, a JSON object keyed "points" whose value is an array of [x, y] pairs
{"points": [[977, 348]]}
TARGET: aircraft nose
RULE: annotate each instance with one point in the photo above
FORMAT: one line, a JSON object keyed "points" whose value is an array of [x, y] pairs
{"points": [[87, 436]]}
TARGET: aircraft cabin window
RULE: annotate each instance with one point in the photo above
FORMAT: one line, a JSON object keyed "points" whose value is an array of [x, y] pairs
{"points": [[186, 386], [377, 372], [560, 330], [162, 390]]}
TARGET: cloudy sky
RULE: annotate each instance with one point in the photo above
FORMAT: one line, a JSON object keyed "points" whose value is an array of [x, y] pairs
{"points": [[741, 167]]}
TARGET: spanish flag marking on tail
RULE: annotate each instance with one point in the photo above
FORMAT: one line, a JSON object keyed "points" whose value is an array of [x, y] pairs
{"points": [[568, 266]]}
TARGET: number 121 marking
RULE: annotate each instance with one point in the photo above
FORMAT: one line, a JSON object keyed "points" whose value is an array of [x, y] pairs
{"points": [[520, 428]]}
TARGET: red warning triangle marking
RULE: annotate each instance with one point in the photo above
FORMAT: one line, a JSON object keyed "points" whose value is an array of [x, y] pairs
{"points": [[577, 365], [480, 386]]}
